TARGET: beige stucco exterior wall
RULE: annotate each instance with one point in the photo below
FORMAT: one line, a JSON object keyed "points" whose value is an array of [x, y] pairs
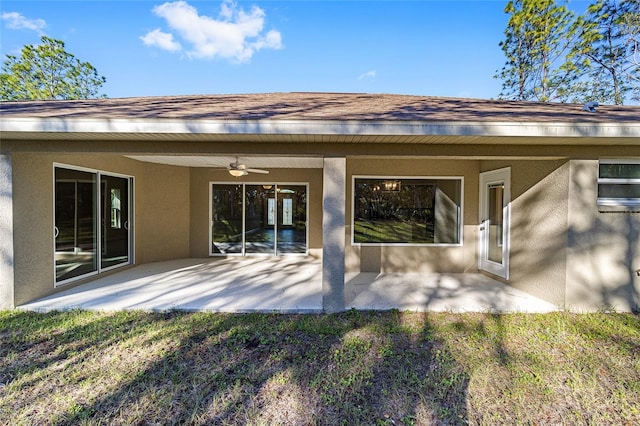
{"points": [[165, 198], [603, 249], [201, 179], [443, 258], [161, 213], [539, 192]]}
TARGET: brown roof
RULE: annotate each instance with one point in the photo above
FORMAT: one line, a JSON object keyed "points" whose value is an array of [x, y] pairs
{"points": [[320, 106]]}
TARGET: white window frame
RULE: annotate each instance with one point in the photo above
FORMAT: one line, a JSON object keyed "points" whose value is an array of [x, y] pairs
{"points": [[130, 228], [460, 243], [608, 204], [243, 252]]}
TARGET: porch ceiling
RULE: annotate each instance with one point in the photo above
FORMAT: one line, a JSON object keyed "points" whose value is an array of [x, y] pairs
{"points": [[224, 161]]}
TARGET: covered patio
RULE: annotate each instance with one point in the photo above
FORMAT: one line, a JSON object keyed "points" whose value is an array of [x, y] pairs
{"points": [[284, 285]]}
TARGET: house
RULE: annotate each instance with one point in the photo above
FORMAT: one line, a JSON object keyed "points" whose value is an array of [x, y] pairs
{"points": [[543, 197]]}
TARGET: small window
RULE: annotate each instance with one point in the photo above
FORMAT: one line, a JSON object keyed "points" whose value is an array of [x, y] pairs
{"points": [[407, 211], [619, 186]]}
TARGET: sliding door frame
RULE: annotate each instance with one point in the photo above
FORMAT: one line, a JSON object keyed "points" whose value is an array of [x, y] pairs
{"points": [[100, 216]]}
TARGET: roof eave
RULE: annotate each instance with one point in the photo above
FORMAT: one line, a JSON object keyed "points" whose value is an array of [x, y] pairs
{"points": [[14, 127]]}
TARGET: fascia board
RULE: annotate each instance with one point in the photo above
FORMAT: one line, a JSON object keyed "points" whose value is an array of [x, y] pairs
{"points": [[316, 127]]}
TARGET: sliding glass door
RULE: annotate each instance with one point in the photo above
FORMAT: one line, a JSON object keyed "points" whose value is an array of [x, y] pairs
{"points": [[75, 227], [92, 228], [292, 219], [114, 216], [226, 219], [259, 219], [254, 219]]}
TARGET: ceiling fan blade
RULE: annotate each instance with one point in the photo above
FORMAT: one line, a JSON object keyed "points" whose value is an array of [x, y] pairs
{"points": [[264, 172]]}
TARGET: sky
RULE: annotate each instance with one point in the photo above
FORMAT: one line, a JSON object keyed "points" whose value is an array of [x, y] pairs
{"points": [[154, 48]]}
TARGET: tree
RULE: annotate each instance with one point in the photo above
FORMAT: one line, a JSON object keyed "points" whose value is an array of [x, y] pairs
{"points": [[611, 44], [538, 44], [46, 72]]}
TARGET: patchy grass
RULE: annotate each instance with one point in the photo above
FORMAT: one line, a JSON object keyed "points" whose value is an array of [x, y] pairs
{"points": [[367, 368]]}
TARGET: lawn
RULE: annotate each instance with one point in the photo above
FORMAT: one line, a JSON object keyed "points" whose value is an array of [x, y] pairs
{"points": [[370, 368]]}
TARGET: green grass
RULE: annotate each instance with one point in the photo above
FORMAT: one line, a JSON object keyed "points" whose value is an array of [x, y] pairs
{"points": [[368, 368]]}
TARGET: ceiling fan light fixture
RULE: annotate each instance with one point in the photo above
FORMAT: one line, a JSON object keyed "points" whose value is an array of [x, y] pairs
{"points": [[237, 172]]}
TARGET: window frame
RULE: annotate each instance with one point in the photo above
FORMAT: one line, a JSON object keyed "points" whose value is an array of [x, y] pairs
{"points": [[613, 204], [460, 243], [97, 206], [243, 252]]}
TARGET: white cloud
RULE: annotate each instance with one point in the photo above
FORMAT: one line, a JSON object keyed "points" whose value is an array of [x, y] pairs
{"points": [[17, 21], [162, 40], [369, 74], [234, 34]]}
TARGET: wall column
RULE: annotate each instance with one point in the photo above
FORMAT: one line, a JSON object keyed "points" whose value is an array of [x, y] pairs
{"points": [[333, 233], [6, 233]]}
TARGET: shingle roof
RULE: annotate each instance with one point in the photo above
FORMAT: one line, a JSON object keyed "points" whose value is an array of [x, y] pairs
{"points": [[320, 106]]}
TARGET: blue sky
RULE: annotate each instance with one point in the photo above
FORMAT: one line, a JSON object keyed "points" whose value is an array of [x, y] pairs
{"points": [[147, 48]]}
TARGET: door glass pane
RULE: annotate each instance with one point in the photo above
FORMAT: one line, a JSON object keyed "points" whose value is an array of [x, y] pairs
{"points": [[260, 213], [115, 220], [226, 218], [75, 223], [495, 223], [292, 219]]}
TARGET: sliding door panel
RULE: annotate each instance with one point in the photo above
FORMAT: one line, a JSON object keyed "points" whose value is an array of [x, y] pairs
{"points": [[292, 219], [260, 219], [115, 221], [75, 221], [226, 219]]}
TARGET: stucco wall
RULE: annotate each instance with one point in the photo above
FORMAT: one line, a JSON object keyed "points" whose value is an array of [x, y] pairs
{"points": [[539, 193], [416, 258], [164, 196], [200, 187], [161, 212], [6, 232], [603, 248]]}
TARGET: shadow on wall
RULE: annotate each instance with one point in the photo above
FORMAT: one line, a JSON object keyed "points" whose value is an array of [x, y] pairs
{"points": [[562, 249], [6, 233], [604, 249], [538, 229]]}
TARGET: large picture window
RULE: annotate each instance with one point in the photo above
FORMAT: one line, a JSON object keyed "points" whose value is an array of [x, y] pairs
{"points": [[407, 210], [619, 185], [268, 219], [91, 222]]}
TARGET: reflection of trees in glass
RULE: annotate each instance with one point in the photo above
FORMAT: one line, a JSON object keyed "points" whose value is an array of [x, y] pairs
{"points": [[227, 212], [405, 215]]}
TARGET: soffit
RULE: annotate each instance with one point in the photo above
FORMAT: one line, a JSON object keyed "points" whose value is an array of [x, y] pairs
{"points": [[221, 161]]}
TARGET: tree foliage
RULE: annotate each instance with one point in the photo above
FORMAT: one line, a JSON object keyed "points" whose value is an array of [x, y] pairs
{"points": [[47, 71], [611, 44], [554, 55], [538, 46]]}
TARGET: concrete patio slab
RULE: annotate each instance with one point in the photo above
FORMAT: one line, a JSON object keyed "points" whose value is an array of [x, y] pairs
{"points": [[438, 293], [282, 284], [250, 284]]}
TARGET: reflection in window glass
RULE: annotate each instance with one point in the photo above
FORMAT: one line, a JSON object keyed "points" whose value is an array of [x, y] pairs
{"points": [[618, 186], [407, 211], [292, 219], [259, 219], [116, 209], [226, 210], [75, 223], [115, 230]]}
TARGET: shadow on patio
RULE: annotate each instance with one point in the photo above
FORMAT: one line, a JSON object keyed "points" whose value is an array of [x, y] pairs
{"points": [[282, 284]]}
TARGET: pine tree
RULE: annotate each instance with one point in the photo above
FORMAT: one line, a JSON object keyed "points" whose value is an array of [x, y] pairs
{"points": [[47, 71]]}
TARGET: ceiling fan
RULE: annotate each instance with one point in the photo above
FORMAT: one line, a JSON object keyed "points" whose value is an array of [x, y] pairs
{"points": [[238, 169]]}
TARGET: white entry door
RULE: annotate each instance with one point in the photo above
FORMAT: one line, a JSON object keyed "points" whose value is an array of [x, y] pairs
{"points": [[495, 202]]}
